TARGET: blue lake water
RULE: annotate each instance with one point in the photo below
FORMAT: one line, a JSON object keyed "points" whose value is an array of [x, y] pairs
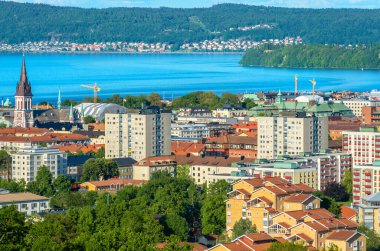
{"points": [[168, 74]]}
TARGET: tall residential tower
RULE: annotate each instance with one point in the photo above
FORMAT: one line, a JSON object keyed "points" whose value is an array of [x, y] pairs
{"points": [[138, 134]]}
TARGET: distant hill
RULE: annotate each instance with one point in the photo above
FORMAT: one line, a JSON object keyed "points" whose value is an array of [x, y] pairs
{"points": [[314, 56], [21, 22]]}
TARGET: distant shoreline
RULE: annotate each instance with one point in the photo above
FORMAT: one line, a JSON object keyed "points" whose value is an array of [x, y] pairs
{"points": [[311, 68], [124, 53]]}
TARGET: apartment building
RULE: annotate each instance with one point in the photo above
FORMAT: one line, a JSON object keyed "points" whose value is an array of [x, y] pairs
{"points": [[291, 212], [238, 146], [138, 134], [371, 115], [26, 203], [295, 172], [26, 162], [279, 136], [366, 181], [369, 210], [363, 145], [356, 105], [190, 131], [143, 169]]}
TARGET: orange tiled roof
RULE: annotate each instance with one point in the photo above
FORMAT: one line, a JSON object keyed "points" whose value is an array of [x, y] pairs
{"points": [[97, 126], [254, 182], [256, 237], [23, 130], [299, 197], [195, 246], [183, 148], [114, 181], [49, 137], [347, 212], [342, 235]]}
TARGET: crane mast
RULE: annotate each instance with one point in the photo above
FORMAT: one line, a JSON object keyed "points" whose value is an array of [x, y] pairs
{"points": [[95, 88]]}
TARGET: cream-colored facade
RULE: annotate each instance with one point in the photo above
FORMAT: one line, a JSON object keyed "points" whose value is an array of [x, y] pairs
{"points": [[26, 162], [356, 105], [307, 175], [143, 169], [138, 134], [278, 136]]}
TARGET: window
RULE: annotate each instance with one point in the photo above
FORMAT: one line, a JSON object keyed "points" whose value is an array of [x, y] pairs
{"points": [[228, 205]]}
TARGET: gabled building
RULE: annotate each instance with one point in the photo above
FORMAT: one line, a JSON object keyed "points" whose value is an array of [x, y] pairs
{"points": [[289, 211], [248, 242]]}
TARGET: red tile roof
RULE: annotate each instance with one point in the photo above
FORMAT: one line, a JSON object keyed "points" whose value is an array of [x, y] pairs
{"points": [[114, 181], [183, 148], [347, 212], [299, 197], [342, 235]]}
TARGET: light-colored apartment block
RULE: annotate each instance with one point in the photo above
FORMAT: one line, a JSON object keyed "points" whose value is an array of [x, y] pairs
{"points": [[356, 105], [364, 145], [279, 136], [366, 181], [26, 162], [138, 134], [26, 203]]}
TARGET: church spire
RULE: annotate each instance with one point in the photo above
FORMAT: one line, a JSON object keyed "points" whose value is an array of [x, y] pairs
{"points": [[23, 86], [59, 100], [71, 115]]}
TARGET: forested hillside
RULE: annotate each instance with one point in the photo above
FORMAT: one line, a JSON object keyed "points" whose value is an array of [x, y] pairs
{"points": [[36, 22], [314, 56]]}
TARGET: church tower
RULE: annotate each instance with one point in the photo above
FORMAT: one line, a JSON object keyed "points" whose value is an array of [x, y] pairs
{"points": [[23, 115]]}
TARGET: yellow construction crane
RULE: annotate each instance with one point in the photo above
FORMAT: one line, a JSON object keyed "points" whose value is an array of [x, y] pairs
{"points": [[314, 83], [96, 89]]}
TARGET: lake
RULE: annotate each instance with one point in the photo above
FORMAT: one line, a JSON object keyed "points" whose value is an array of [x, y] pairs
{"points": [[167, 74]]}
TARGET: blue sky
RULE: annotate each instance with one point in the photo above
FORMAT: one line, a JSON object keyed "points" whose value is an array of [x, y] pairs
{"points": [[206, 3]]}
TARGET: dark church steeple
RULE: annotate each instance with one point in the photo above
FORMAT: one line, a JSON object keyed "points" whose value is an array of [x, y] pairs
{"points": [[23, 115], [23, 86]]}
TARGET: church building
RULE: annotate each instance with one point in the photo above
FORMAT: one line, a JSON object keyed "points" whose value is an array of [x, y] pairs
{"points": [[23, 114]]}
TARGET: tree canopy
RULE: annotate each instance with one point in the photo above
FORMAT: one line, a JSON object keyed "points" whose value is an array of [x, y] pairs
{"points": [[94, 169], [314, 56], [177, 26]]}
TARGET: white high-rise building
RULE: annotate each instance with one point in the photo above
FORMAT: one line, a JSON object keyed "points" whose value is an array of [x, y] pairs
{"points": [[138, 134], [364, 145], [26, 161], [290, 135]]}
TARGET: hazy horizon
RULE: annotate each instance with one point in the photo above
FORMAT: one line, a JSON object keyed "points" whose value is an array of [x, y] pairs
{"points": [[362, 4]]}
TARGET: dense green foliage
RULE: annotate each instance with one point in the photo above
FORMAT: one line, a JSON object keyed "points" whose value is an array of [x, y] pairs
{"points": [[373, 239], [12, 229], [205, 99], [336, 191], [96, 169], [243, 226], [347, 182], [43, 185], [314, 56], [135, 218], [28, 22], [213, 209], [328, 203]]}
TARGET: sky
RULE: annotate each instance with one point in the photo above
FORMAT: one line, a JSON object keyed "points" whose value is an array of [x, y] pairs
{"points": [[370, 4]]}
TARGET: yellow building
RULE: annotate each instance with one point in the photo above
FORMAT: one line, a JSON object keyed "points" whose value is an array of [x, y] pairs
{"points": [[346, 240], [248, 242], [260, 199], [289, 211], [110, 185]]}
